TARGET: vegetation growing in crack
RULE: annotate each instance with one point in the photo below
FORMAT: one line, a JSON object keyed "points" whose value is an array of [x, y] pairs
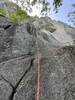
{"points": [[16, 17], [19, 16]]}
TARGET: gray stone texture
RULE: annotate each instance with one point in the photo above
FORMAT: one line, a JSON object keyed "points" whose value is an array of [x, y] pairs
{"points": [[19, 48]]}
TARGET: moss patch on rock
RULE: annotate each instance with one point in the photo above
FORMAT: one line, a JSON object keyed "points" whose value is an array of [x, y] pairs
{"points": [[2, 12], [17, 17]]}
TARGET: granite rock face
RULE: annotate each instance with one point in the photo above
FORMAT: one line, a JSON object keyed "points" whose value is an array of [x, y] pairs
{"points": [[8, 6], [19, 48]]}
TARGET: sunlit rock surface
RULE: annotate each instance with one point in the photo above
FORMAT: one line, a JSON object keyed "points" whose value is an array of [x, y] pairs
{"points": [[19, 48]]}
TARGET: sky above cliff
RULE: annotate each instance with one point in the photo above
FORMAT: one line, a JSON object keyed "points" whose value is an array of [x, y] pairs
{"points": [[62, 12]]}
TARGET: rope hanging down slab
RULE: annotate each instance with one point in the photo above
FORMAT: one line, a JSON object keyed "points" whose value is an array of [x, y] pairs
{"points": [[38, 82], [38, 69]]}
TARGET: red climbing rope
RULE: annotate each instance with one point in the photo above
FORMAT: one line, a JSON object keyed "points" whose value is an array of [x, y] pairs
{"points": [[38, 81], [38, 70]]}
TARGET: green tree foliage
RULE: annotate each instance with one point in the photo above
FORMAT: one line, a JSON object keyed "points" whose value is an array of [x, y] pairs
{"points": [[28, 4], [57, 4], [71, 15]]}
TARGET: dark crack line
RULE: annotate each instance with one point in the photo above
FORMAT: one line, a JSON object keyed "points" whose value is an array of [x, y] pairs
{"points": [[6, 27], [18, 57], [15, 88], [7, 82]]}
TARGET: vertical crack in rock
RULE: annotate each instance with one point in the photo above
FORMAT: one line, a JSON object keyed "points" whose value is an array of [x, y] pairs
{"points": [[16, 86]]}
